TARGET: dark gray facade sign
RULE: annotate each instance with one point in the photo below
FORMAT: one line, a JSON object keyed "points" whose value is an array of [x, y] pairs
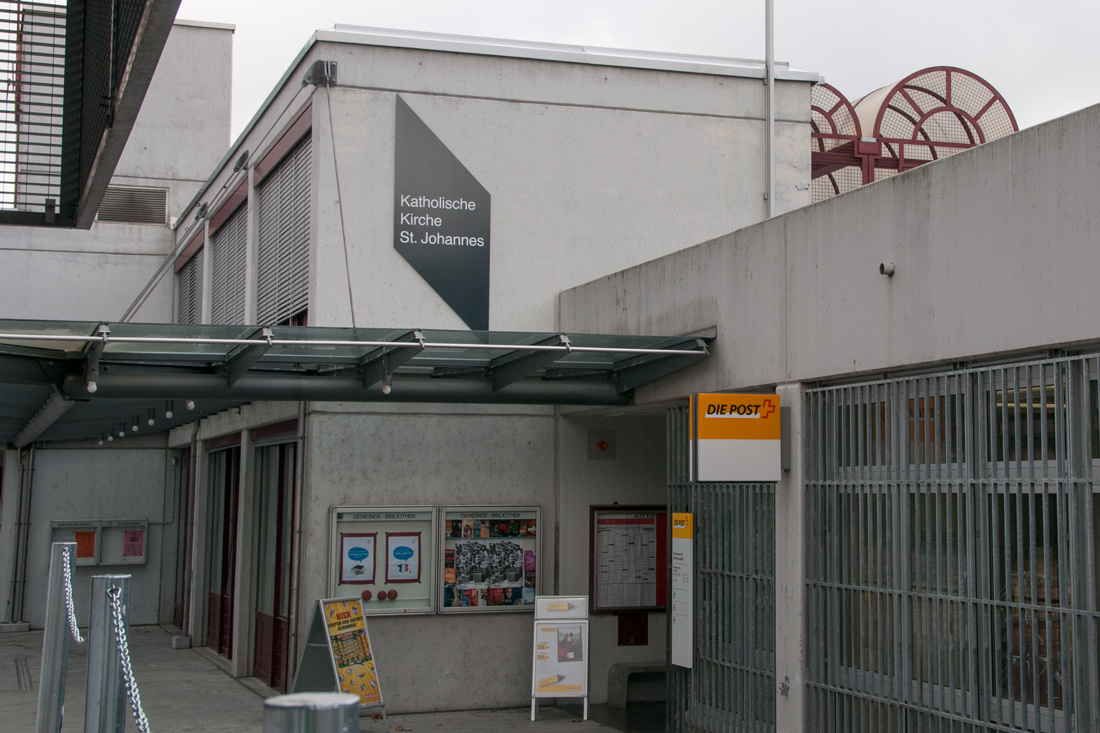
{"points": [[441, 219]]}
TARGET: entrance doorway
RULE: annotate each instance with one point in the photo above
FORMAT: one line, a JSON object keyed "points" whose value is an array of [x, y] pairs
{"points": [[275, 471], [184, 503], [225, 477]]}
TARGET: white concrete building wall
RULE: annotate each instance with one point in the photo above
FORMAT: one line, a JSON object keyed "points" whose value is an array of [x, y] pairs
{"points": [[434, 455], [90, 483], [180, 133], [591, 170]]}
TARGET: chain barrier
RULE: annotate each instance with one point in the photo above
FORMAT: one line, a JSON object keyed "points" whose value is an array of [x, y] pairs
{"points": [[68, 573], [124, 656]]}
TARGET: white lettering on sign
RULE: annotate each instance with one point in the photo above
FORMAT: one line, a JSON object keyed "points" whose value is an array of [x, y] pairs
{"points": [[424, 202], [412, 219]]}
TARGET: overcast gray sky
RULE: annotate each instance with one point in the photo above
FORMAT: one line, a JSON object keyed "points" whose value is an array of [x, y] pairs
{"points": [[1044, 57]]}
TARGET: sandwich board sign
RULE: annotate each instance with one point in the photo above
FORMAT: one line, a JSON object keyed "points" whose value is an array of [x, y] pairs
{"points": [[338, 655], [735, 437], [560, 654]]}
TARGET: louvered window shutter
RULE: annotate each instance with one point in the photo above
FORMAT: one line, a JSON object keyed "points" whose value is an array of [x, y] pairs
{"points": [[282, 280], [227, 269], [134, 205], [189, 291]]}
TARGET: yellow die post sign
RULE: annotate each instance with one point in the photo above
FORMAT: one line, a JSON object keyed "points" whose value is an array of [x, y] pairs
{"points": [[735, 437]]}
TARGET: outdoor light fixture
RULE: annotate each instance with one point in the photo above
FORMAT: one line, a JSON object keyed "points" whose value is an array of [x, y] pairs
{"points": [[122, 430], [168, 407], [387, 383], [101, 438], [152, 416], [190, 404], [886, 268], [91, 386], [134, 427], [110, 438]]}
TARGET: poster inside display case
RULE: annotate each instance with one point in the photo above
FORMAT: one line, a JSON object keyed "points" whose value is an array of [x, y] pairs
{"points": [[490, 559], [381, 555], [628, 547]]}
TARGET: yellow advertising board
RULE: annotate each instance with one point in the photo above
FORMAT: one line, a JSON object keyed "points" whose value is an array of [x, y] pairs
{"points": [[735, 437], [337, 656], [351, 652]]}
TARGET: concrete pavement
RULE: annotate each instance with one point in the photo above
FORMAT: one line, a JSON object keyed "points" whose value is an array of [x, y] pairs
{"points": [[182, 690]]}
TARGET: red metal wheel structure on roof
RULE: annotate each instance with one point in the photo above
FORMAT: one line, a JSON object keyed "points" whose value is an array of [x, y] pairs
{"points": [[930, 114]]}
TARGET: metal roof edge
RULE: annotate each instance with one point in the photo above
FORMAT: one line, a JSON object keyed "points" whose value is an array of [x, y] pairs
{"points": [[565, 53]]}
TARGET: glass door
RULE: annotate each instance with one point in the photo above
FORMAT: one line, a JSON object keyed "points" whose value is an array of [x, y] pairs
{"points": [[225, 468], [275, 523]]}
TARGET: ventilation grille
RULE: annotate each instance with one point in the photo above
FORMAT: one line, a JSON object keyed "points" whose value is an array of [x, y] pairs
{"points": [[134, 205]]}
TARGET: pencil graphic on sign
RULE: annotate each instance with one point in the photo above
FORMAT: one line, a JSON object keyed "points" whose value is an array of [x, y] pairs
{"points": [[560, 606], [551, 680]]}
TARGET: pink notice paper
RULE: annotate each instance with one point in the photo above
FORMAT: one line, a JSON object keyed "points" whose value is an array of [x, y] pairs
{"points": [[133, 543]]}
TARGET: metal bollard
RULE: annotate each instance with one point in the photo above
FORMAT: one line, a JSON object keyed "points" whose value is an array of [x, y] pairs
{"points": [[312, 712], [105, 708], [55, 643]]}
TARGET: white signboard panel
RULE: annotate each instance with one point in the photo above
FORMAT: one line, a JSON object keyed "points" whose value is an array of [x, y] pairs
{"points": [[683, 575]]}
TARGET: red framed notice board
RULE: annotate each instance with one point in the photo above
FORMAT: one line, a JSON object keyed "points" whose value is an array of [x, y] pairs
{"points": [[628, 547]]}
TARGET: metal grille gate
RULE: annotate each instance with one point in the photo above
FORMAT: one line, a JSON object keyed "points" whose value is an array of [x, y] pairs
{"points": [[951, 568], [732, 685]]}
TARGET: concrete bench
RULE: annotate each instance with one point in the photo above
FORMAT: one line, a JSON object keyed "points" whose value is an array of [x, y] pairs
{"points": [[618, 682]]}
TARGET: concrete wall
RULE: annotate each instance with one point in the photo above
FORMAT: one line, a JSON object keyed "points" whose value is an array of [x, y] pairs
{"points": [[996, 250], [73, 484], [180, 134], [591, 169], [636, 475], [430, 456], [183, 127]]}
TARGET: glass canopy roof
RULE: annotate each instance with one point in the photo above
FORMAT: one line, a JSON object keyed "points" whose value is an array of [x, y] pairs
{"points": [[72, 379]]}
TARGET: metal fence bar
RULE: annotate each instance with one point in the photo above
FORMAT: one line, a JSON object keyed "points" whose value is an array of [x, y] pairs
{"points": [[732, 686], [55, 643], [952, 562], [105, 708]]}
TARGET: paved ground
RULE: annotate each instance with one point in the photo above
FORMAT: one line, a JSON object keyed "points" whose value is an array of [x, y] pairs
{"points": [[181, 690]]}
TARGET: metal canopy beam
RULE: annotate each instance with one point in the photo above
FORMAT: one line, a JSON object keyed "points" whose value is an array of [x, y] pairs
{"points": [[56, 406], [305, 387], [647, 367], [239, 364], [92, 354], [380, 364], [508, 369]]}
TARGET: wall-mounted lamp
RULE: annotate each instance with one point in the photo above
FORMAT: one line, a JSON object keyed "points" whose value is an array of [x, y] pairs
{"points": [[387, 383], [886, 268], [190, 404], [152, 416], [168, 407]]}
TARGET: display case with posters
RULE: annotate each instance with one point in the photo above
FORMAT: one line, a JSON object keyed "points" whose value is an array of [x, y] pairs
{"points": [[489, 559], [383, 556], [629, 552]]}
